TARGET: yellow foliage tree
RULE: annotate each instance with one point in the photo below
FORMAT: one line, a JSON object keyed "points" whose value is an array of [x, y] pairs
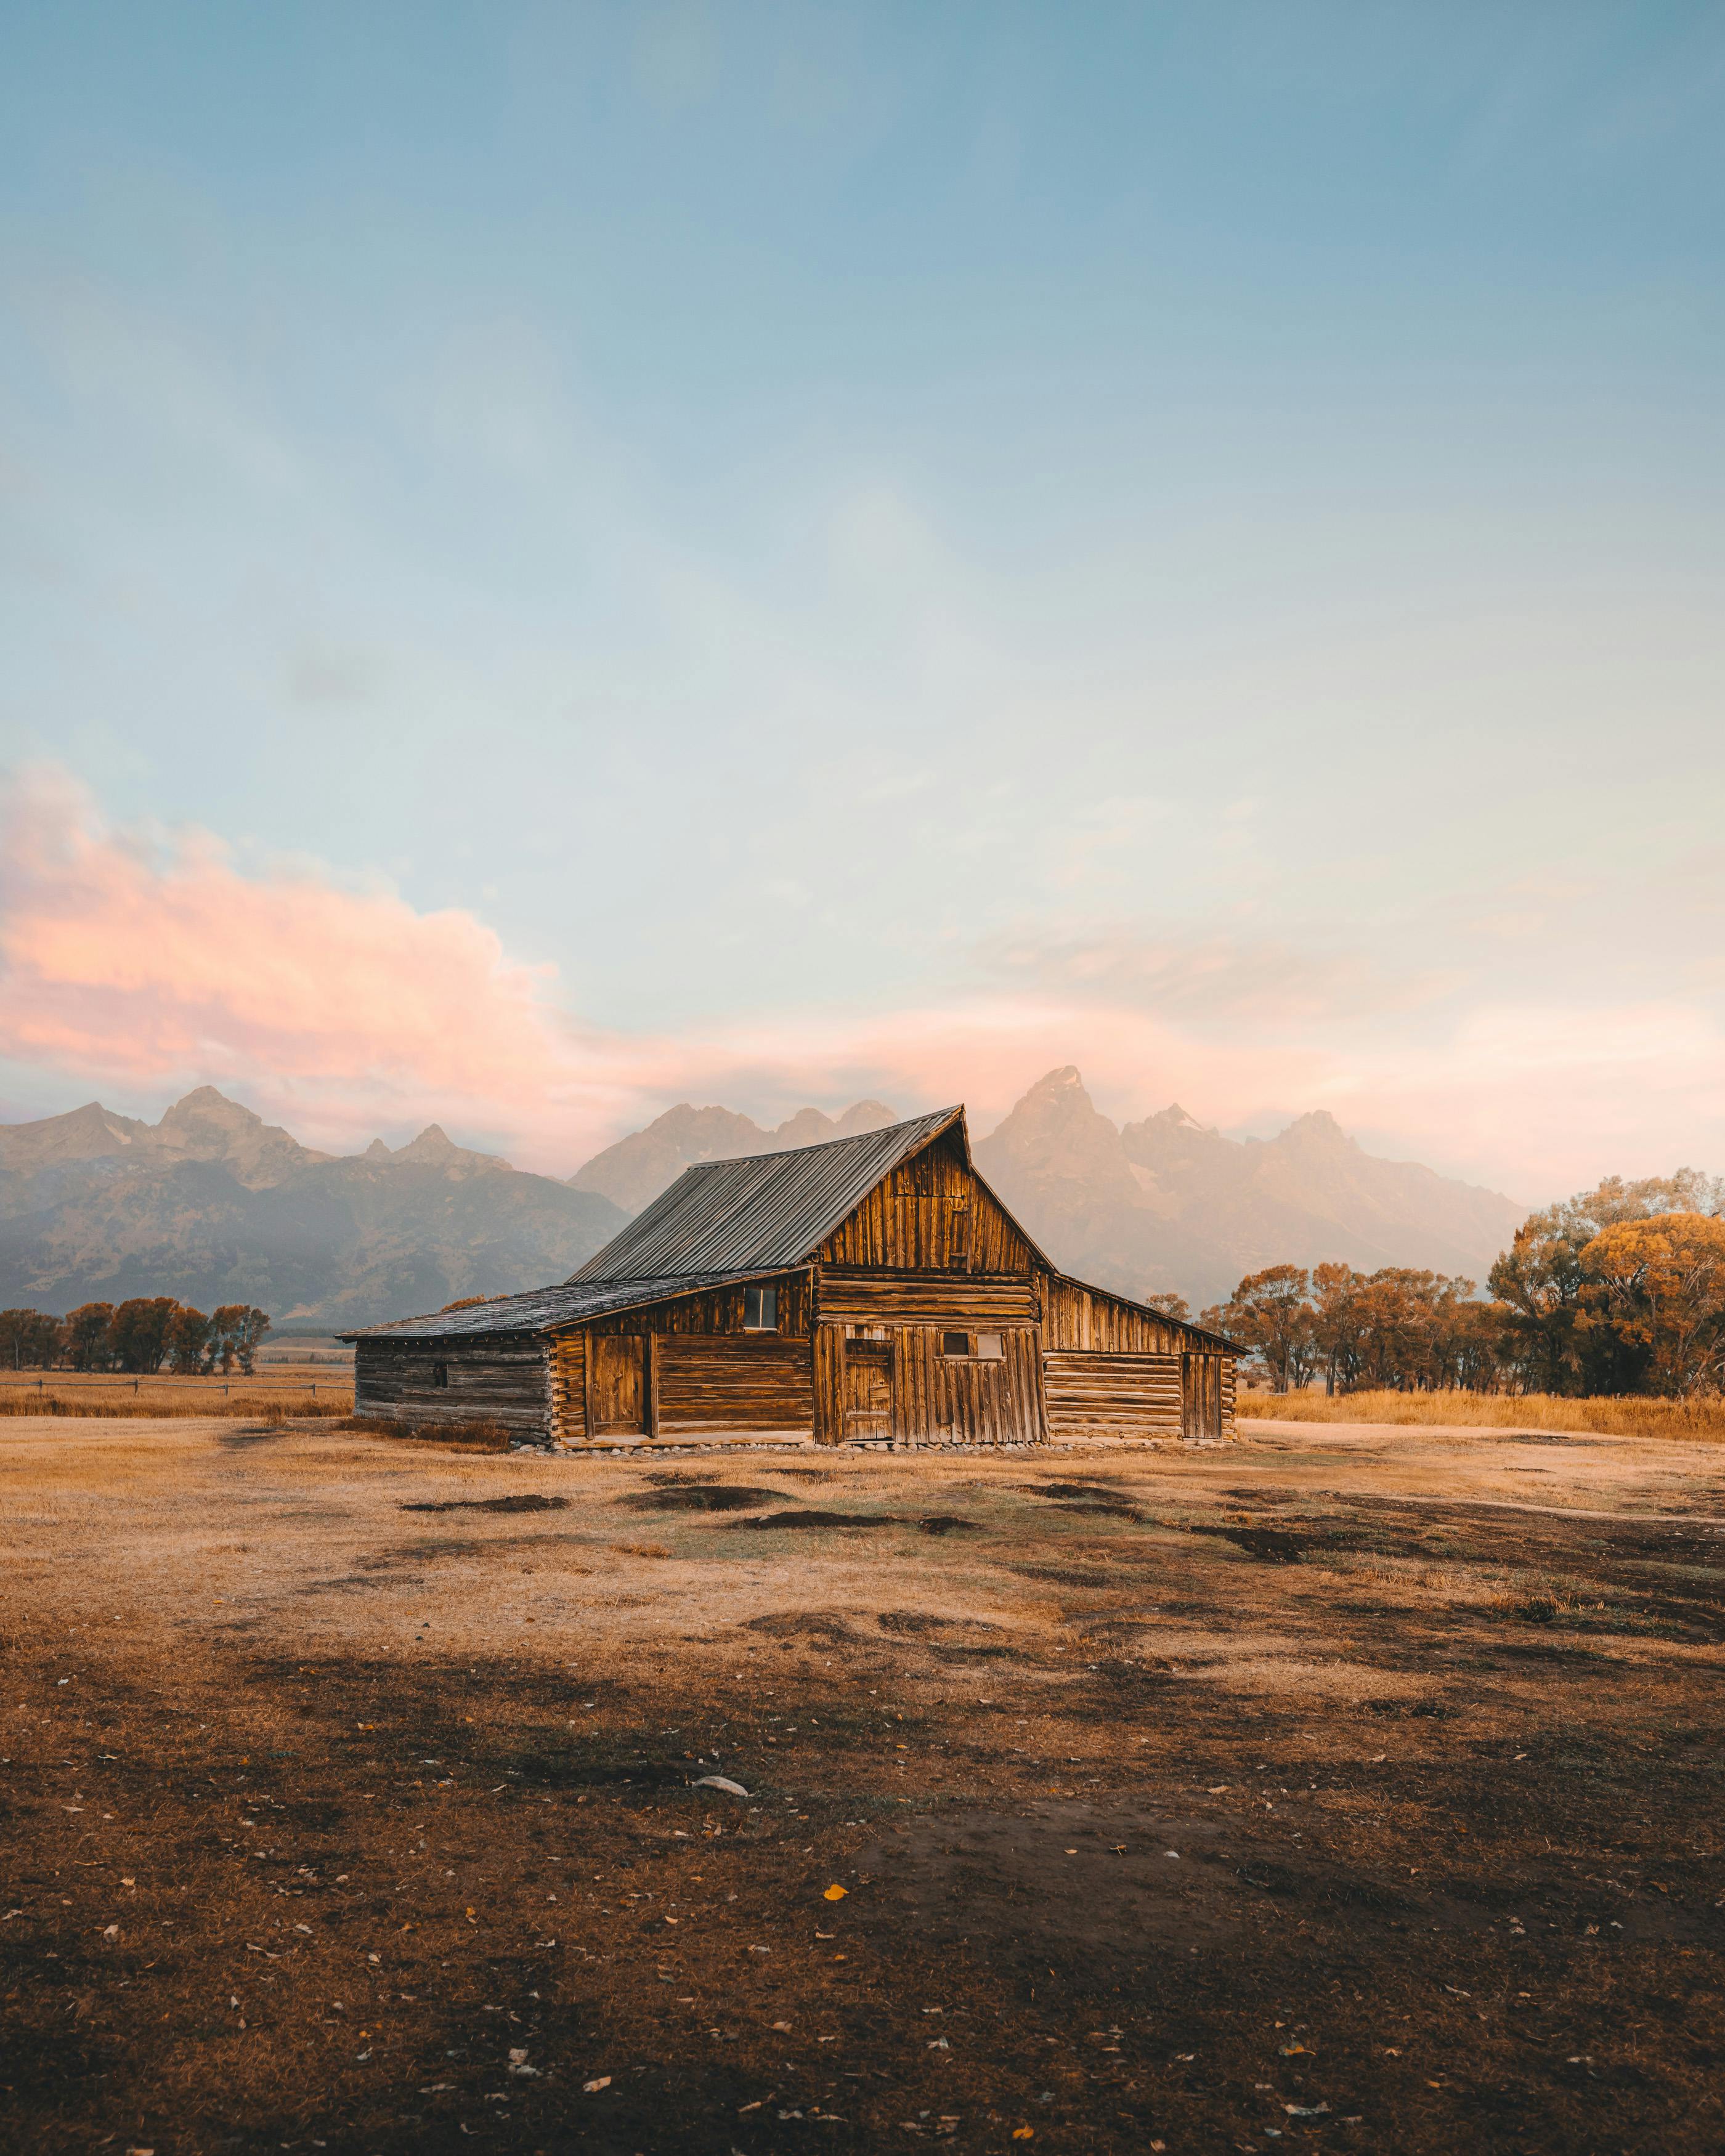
{"points": [[1664, 1280]]}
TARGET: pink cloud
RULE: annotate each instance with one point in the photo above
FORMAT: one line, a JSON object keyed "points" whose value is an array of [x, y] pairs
{"points": [[139, 965], [142, 966]]}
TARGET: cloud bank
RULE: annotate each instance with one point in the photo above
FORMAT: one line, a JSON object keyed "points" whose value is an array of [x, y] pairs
{"points": [[136, 963]]}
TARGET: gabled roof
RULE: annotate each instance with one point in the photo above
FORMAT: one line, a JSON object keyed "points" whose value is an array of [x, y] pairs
{"points": [[545, 1309], [770, 1209]]}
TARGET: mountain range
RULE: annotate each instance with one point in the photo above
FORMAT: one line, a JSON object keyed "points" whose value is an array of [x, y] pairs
{"points": [[213, 1205], [633, 1171], [1168, 1203]]}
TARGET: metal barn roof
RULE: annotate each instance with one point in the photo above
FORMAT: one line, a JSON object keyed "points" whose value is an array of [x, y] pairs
{"points": [[771, 1209], [544, 1309]]}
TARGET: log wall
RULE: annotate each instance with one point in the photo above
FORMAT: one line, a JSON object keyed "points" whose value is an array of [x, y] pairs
{"points": [[1113, 1396], [497, 1378], [753, 1384], [983, 1301]]}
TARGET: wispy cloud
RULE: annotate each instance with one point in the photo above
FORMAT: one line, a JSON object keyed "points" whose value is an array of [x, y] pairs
{"points": [[138, 962]]}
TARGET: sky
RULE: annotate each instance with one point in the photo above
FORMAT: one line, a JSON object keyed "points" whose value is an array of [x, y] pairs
{"points": [[556, 559]]}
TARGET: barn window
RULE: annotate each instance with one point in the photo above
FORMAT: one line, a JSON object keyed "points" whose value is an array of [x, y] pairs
{"points": [[759, 1310], [440, 1374], [973, 1346]]}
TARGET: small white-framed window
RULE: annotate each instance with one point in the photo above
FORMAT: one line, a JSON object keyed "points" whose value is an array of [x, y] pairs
{"points": [[955, 1343], [990, 1347], [759, 1310], [440, 1374]]}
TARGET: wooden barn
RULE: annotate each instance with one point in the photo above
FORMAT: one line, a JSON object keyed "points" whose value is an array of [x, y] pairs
{"points": [[871, 1289]]}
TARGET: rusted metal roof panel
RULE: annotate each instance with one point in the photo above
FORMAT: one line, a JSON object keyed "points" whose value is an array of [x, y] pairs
{"points": [[545, 1309], [769, 1209]]}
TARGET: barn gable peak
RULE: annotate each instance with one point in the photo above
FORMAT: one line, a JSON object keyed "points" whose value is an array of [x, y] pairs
{"points": [[765, 1210]]}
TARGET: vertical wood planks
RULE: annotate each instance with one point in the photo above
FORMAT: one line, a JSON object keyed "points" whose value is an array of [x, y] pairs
{"points": [[932, 1213]]}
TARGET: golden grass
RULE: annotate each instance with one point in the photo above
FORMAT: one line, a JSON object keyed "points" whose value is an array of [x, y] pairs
{"points": [[1700, 1421], [109, 1398]]}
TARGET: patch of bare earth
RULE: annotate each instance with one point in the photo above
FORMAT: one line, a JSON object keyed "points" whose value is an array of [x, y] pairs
{"points": [[1327, 1788]]}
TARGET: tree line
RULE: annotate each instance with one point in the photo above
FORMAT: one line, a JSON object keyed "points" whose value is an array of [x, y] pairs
{"points": [[1620, 1289], [141, 1336]]}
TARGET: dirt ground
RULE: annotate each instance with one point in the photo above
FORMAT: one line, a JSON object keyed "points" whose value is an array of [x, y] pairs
{"points": [[1358, 1787]]}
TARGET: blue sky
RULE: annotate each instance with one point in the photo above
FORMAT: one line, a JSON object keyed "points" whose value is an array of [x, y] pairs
{"points": [[878, 548]]}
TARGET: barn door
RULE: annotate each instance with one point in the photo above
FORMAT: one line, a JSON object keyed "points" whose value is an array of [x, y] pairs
{"points": [[1201, 1396], [868, 1389], [620, 1385]]}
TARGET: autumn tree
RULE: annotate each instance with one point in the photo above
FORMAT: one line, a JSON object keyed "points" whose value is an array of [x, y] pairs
{"points": [[1169, 1304], [29, 1340], [1270, 1314], [1559, 1310], [1662, 1281], [1338, 1325], [235, 1331], [89, 1332], [140, 1332], [188, 1339]]}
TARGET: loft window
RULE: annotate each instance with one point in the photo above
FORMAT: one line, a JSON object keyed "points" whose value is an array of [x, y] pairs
{"points": [[990, 1347], [440, 1374], [959, 1246], [759, 1310], [955, 1343]]}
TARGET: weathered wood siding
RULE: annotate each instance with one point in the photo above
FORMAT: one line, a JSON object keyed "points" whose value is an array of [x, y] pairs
{"points": [[754, 1382], [619, 1394], [1089, 1321], [968, 1400], [1102, 1397], [931, 1214], [718, 1310], [1207, 1395], [827, 1347], [568, 1387], [684, 1368], [1115, 1370], [904, 1386], [501, 1378], [982, 1300]]}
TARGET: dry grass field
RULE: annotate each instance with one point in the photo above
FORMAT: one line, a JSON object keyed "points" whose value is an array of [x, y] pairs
{"points": [[1696, 1421], [1355, 1787], [284, 1389]]}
